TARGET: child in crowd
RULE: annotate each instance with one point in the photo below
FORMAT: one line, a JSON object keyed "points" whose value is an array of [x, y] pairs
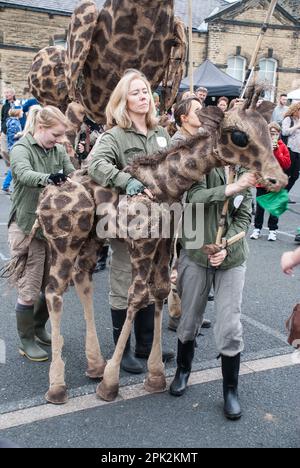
{"points": [[13, 132]]}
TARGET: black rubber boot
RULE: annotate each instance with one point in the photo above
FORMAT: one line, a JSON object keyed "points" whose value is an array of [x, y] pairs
{"points": [[230, 371], [40, 318], [129, 363], [185, 355], [144, 330], [101, 263], [25, 326], [173, 323]]}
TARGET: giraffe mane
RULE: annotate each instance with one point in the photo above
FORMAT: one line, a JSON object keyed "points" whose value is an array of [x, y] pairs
{"points": [[155, 159]]}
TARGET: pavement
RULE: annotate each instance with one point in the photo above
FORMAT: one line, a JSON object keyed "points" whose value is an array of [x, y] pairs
{"points": [[269, 384]]}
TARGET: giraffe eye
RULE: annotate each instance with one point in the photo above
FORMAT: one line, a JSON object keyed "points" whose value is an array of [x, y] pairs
{"points": [[239, 139]]}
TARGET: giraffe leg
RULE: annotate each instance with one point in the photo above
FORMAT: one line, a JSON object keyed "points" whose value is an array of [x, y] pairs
{"points": [[160, 288], [57, 393], [84, 286], [108, 389], [59, 278], [156, 381], [138, 297]]}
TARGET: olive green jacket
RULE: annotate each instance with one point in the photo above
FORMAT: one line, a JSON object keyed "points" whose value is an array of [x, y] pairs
{"points": [[211, 192], [31, 166], [116, 149]]}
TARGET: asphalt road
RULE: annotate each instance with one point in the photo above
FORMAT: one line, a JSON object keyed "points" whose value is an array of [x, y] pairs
{"points": [[269, 398]]}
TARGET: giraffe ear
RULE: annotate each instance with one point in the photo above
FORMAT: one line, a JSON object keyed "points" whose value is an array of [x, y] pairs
{"points": [[210, 118], [266, 110]]}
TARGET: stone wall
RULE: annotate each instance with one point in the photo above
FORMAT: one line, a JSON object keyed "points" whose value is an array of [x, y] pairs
{"points": [[238, 37], [22, 34]]}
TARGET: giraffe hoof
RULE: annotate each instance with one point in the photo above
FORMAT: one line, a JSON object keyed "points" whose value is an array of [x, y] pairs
{"points": [[107, 393], [96, 372], [155, 383], [57, 395]]}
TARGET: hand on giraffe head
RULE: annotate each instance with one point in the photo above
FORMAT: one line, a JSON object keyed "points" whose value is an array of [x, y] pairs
{"points": [[135, 187], [246, 181]]}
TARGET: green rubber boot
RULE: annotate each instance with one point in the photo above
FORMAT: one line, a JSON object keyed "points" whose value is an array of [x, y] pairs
{"points": [[25, 325], [40, 318]]}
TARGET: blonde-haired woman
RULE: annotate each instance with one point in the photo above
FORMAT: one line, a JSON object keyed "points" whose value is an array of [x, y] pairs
{"points": [[37, 159], [291, 130], [131, 117]]}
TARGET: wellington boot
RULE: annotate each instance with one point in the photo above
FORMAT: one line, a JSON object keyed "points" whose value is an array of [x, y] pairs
{"points": [[25, 325], [129, 363], [40, 317], [144, 331], [185, 355], [230, 371]]}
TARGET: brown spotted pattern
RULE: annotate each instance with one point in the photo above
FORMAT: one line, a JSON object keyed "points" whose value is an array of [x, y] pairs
{"points": [[100, 47], [68, 224]]}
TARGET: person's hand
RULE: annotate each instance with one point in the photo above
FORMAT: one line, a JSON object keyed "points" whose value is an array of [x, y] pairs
{"points": [[244, 182], [217, 259], [57, 179], [288, 263], [134, 187], [81, 147]]}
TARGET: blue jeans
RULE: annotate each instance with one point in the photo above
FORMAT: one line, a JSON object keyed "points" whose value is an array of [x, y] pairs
{"points": [[7, 180]]}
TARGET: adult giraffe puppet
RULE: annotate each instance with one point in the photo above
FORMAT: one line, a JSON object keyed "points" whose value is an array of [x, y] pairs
{"points": [[101, 45], [67, 215]]}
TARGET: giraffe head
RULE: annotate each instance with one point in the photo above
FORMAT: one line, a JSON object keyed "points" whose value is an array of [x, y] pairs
{"points": [[242, 138]]}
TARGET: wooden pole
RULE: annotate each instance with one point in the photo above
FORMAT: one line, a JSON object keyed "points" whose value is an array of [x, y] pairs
{"points": [[263, 31], [191, 68]]}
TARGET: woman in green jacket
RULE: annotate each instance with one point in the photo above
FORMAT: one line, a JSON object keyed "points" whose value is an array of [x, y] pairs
{"points": [[131, 117], [36, 160]]}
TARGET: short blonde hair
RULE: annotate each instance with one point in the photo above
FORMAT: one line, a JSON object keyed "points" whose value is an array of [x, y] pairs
{"points": [[13, 112], [116, 110]]}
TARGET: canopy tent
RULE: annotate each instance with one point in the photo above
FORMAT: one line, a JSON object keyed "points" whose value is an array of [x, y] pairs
{"points": [[294, 95], [217, 82]]}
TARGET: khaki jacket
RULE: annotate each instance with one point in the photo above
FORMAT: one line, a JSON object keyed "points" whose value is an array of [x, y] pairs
{"points": [[117, 147], [211, 192], [31, 166]]}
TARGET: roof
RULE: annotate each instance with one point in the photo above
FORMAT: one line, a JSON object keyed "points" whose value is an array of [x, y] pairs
{"points": [[215, 80], [201, 8], [239, 6]]}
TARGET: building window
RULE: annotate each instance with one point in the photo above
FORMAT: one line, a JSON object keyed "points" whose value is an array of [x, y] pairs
{"points": [[60, 41], [236, 67], [267, 74]]}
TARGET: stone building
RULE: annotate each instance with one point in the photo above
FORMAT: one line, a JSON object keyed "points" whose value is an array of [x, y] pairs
{"points": [[223, 32]]}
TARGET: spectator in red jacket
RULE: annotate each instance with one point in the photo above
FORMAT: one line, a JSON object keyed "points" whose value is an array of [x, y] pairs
{"points": [[282, 155]]}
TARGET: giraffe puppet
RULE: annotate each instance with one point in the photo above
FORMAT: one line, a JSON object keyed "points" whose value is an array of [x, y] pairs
{"points": [[69, 216]]}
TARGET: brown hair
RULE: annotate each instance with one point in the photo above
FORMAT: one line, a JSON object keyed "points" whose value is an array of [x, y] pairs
{"points": [[275, 126], [183, 108], [223, 98]]}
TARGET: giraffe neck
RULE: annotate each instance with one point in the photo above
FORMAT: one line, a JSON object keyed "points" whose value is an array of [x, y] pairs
{"points": [[182, 167]]}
